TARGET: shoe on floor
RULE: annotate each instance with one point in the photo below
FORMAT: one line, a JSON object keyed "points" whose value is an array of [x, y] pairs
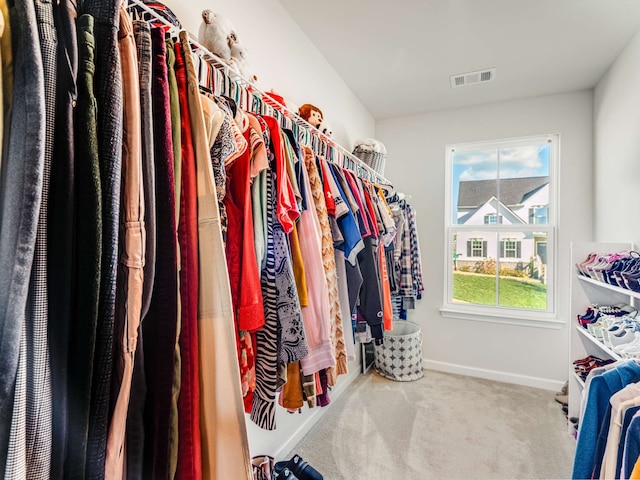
{"points": [[563, 399], [564, 390]]}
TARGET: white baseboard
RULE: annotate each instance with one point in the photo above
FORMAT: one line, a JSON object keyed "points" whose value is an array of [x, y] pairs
{"points": [[544, 383], [285, 449]]}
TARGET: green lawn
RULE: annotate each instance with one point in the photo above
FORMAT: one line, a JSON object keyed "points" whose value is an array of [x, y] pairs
{"points": [[514, 292]]}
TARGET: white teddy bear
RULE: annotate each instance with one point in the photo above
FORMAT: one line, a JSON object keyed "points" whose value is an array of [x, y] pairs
{"points": [[238, 60], [218, 35], [215, 33]]}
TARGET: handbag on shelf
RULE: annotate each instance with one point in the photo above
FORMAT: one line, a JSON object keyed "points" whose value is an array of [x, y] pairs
{"points": [[262, 467]]}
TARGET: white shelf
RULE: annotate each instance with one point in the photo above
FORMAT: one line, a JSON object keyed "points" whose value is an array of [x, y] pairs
{"points": [[579, 379], [598, 343], [606, 286], [586, 291]]}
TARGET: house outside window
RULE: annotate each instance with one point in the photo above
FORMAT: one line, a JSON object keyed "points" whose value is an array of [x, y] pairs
{"points": [[501, 227]]}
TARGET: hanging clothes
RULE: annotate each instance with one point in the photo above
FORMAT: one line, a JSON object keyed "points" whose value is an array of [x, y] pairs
{"points": [[329, 266], [29, 449], [174, 107], [88, 258], [132, 254], [588, 459], [189, 453], [135, 421], [108, 91], [60, 248], [159, 328], [225, 451]]}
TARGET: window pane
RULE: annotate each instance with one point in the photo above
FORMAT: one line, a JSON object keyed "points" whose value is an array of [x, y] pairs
{"points": [[522, 271], [474, 187], [474, 267], [523, 188], [500, 218]]}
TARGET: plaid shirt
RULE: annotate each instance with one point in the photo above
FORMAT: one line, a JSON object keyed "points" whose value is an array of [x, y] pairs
{"points": [[406, 271], [416, 260]]}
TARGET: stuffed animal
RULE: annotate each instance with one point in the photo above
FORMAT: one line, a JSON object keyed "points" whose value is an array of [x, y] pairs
{"points": [[218, 35], [325, 129], [238, 61], [311, 113]]}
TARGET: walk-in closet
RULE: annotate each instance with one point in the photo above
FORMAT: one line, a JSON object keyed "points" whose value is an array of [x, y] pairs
{"points": [[281, 239]]}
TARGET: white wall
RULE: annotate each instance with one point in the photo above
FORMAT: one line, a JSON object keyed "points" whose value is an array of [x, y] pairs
{"points": [[285, 60], [617, 148], [416, 164]]}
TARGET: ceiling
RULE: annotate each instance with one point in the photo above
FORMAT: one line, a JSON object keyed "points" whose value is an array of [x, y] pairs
{"points": [[398, 55]]}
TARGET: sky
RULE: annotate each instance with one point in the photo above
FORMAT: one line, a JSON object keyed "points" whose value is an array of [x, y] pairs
{"points": [[517, 162]]}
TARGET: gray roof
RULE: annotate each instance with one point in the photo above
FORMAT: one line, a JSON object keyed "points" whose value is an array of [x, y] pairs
{"points": [[513, 191]]}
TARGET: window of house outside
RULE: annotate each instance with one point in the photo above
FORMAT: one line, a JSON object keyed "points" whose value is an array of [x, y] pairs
{"points": [[501, 227], [492, 218]]}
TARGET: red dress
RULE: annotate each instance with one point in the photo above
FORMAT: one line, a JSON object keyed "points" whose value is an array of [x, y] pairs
{"points": [[244, 276]]}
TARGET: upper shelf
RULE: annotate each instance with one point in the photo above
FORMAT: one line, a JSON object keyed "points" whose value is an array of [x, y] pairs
{"points": [[623, 291], [598, 343]]}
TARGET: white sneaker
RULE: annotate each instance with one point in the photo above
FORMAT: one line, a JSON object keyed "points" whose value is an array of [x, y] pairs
{"points": [[627, 337]]}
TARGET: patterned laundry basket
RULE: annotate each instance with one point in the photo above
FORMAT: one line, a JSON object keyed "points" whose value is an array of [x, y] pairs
{"points": [[400, 356], [375, 160]]}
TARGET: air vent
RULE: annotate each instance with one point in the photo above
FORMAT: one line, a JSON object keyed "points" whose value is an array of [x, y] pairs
{"points": [[473, 78]]}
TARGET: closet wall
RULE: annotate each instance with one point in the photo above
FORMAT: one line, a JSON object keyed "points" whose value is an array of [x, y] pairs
{"points": [[617, 148], [520, 354], [285, 60]]}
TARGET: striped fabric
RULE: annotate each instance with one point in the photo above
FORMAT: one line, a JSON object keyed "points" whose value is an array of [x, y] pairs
{"points": [[406, 271], [416, 261], [263, 411]]}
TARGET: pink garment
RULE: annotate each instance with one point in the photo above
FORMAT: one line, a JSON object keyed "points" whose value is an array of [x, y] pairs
{"points": [[315, 316]]}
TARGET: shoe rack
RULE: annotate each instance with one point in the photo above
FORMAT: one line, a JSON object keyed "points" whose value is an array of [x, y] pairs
{"points": [[585, 292]]}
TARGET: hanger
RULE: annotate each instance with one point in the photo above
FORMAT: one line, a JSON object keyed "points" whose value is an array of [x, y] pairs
{"points": [[206, 90]]}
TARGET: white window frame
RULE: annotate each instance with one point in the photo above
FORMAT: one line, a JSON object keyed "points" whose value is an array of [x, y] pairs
{"points": [[494, 314], [532, 213], [513, 251], [472, 247], [489, 216]]}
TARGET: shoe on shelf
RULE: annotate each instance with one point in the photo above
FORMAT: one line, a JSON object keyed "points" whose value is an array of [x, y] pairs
{"points": [[627, 336]]}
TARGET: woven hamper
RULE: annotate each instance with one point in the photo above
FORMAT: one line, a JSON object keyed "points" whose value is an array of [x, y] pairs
{"points": [[375, 160], [400, 356]]}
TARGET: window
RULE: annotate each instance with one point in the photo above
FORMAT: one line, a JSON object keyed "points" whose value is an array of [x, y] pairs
{"points": [[501, 227], [476, 247], [510, 248], [538, 214], [492, 218]]}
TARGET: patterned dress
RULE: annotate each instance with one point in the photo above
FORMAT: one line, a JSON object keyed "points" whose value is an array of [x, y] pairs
{"points": [[329, 264]]}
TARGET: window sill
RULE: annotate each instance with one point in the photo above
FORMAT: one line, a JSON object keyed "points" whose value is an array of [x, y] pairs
{"points": [[543, 320]]}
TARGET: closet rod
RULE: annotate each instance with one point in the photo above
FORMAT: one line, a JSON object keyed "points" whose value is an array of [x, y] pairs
{"points": [[221, 65]]}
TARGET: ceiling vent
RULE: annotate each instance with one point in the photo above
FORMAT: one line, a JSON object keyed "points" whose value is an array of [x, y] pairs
{"points": [[473, 78]]}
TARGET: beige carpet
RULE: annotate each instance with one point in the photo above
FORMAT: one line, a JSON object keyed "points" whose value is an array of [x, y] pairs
{"points": [[443, 426]]}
